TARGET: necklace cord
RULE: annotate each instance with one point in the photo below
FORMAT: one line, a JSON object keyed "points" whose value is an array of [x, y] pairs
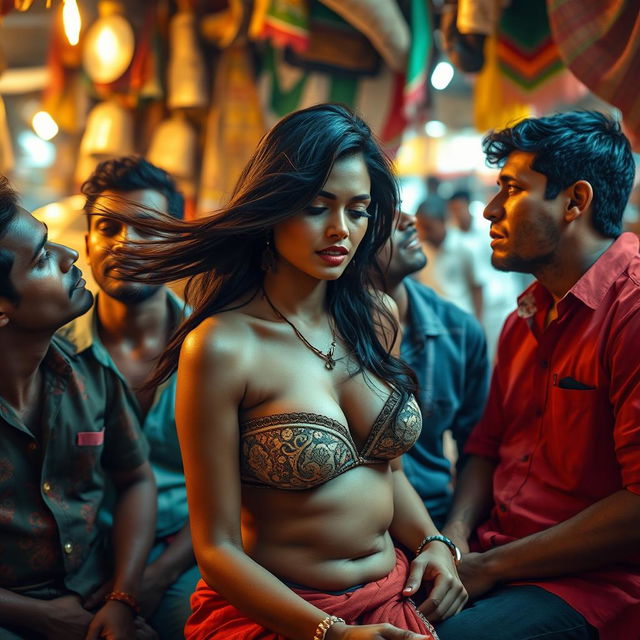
{"points": [[328, 358]]}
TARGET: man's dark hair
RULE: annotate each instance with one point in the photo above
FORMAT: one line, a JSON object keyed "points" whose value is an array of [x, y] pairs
{"points": [[461, 194], [572, 146], [130, 173], [8, 211]]}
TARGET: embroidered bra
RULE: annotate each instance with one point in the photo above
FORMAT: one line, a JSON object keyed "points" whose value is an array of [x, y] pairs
{"points": [[304, 450]]}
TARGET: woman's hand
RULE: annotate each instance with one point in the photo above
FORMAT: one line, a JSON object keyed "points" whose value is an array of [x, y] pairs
{"points": [[447, 594], [340, 631]]}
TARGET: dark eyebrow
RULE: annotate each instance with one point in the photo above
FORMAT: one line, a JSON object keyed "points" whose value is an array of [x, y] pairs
{"points": [[41, 244], [332, 196], [505, 177]]}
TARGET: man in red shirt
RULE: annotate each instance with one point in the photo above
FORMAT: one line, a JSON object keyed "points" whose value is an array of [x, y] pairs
{"points": [[549, 499]]}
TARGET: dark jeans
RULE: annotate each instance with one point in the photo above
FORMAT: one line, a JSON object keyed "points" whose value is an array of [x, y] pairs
{"points": [[517, 613]]}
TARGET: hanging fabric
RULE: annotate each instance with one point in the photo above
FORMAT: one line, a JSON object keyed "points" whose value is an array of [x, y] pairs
{"points": [[599, 40]]}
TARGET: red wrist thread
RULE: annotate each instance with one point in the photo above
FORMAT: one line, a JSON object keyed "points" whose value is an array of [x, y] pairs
{"points": [[126, 598]]}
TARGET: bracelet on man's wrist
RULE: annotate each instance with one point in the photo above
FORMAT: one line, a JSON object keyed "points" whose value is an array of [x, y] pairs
{"points": [[455, 552], [324, 626], [125, 598]]}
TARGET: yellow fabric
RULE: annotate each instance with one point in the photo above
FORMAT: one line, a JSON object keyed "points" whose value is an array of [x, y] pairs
{"points": [[491, 108], [234, 127]]}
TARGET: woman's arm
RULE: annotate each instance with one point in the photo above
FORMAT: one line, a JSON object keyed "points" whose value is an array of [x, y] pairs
{"points": [[411, 523]]}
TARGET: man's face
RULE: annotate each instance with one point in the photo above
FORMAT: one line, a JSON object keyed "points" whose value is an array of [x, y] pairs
{"points": [[460, 214], [51, 289], [106, 234], [431, 230], [402, 254], [525, 228]]}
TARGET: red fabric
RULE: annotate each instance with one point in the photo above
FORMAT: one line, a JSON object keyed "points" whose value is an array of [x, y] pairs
{"points": [[562, 449], [381, 601]]}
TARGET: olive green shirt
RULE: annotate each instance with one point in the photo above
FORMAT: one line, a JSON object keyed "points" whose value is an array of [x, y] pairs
{"points": [[51, 486]]}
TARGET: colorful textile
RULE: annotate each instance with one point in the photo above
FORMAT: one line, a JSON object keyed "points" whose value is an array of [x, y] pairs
{"points": [[285, 23], [376, 602], [418, 63], [523, 72], [563, 424], [526, 51], [52, 486], [599, 41], [234, 127], [335, 47], [382, 23]]}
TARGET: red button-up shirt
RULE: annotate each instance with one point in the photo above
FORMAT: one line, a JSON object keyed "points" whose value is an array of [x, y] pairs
{"points": [[563, 424]]}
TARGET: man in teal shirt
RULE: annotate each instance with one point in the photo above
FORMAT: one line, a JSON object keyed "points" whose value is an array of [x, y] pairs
{"points": [[126, 330], [447, 351]]}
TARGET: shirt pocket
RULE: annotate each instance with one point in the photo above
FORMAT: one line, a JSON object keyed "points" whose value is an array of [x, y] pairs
{"points": [[90, 438]]}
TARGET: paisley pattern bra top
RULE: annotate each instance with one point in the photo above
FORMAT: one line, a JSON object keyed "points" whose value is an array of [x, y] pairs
{"points": [[304, 450]]}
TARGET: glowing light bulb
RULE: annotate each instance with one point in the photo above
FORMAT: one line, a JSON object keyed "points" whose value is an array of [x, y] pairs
{"points": [[441, 76], [71, 21], [44, 125], [106, 45], [435, 129]]}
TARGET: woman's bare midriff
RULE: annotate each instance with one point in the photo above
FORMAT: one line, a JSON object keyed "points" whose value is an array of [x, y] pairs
{"points": [[329, 538]]}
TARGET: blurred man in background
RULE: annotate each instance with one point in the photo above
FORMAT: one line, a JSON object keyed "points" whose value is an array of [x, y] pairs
{"points": [[125, 332]]}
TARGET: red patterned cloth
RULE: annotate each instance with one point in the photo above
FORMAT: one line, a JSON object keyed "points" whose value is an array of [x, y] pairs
{"points": [[599, 41], [380, 601]]}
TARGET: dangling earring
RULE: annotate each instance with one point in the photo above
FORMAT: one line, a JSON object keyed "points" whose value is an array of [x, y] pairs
{"points": [[268, 260]]}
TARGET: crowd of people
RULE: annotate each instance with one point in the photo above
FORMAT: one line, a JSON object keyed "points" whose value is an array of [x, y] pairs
{"points": [[269, 461]]}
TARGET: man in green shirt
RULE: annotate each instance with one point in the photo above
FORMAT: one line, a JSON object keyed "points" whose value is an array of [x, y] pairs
{"points": [[64, 429], [126, 330]]}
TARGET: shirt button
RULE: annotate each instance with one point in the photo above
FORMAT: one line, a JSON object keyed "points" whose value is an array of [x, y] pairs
{"points": [[503, 507], [32, 446], [525, 457], [539, 413], [46, 487], [68, 547], [544, 364]]}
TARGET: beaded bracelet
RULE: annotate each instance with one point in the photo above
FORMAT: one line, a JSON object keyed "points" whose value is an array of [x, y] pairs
{"points": [[125, 598], [324, 626], [455, 552]]}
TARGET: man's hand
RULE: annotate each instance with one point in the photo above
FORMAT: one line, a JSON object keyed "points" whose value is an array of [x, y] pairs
{"points": [[476, 574], [457, 533], [153, 585], [64, 617], [447, 594], [143, 630], [96, 599], [114, 621]]}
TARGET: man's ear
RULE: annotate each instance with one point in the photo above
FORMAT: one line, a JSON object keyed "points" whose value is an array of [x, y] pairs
{"points": [[580, 196], [4, 311]]}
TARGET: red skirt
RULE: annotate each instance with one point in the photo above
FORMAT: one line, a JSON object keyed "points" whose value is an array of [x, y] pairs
{"points": [[374, 603]]}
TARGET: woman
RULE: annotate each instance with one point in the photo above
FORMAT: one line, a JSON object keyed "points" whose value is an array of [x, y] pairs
{"points": [[291, 412]]}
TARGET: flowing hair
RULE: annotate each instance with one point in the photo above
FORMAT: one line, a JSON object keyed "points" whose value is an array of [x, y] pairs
{"points": [[221, 254]]}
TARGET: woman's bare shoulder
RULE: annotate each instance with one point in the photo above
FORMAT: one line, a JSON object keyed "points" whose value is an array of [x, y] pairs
{"points": [[223, 340]]}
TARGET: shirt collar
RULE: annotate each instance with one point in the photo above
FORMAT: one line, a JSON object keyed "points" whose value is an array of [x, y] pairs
{"points": [[424, 320], [594, 284], [83, 331], [592, 287]]}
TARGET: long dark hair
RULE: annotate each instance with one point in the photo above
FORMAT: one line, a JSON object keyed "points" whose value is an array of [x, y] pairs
{"points": [[221, 253]]}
